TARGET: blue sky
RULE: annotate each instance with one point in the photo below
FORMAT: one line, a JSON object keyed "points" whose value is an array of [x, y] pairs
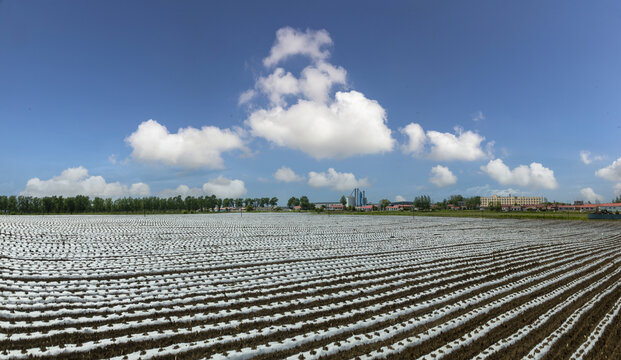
{"points": [[502, 98]]}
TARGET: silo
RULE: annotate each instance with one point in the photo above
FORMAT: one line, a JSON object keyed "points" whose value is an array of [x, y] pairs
{"points": [[351, 201]]}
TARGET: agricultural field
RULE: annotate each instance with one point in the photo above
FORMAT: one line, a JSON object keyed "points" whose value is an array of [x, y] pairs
{"points": [[298, 286]]}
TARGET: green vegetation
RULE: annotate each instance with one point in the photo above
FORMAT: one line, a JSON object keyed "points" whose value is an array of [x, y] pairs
{"points": [[422, 202], [83, 204]]}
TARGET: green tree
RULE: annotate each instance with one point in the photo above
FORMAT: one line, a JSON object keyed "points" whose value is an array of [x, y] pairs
{"points": [[617, 200], [456, 200], [239, 202], [273, 201], [494, 207], [384, 203], [70, 204], [305, 203], [422, 202], [12, 204], [4, 204], [82, 204], [98, 205], [293, 201], [473, 202], [343, 200]]}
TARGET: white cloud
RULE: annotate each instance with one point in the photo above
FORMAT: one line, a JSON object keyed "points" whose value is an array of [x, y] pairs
{"points": [[189, 147], [225, 188], [318, 123], [139, 189], [317, 81], [287, 175], [441, 176], [246, 96], [617, 189], [487, 190], [335, 180], [181, 190], [277, 85], [465, 146], [416, 139], [586, 158], [533, 176], [291, 42], [399, 198], [589, 195], [112, 159], [478, 116], [611, 172], [351, 125], [76, 181]]}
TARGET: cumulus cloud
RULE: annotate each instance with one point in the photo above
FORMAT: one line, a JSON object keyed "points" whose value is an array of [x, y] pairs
{"points": [[181, 190], [225, 188], [399, 198], [611, 172], [464, 146], [189, 147], [588, 194], [335, 180], [77, 181], [617, 189], [304, 115], [290, 42], [352, 125], [533, 176], [586, 157], [416, 139], [287, 175], [441, 176]]}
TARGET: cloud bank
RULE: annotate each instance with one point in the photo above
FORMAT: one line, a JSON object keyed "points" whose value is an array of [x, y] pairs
{"points": [[77, 181], [189, 147], [534, 176], [335, 180]]}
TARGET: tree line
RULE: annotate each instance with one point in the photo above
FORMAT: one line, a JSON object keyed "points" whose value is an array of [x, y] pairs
{"points": [[83, 204]]}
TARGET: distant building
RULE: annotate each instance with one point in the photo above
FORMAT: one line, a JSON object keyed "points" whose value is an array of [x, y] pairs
{"points": [[397, 207], [510, 200], [327, 204]]}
